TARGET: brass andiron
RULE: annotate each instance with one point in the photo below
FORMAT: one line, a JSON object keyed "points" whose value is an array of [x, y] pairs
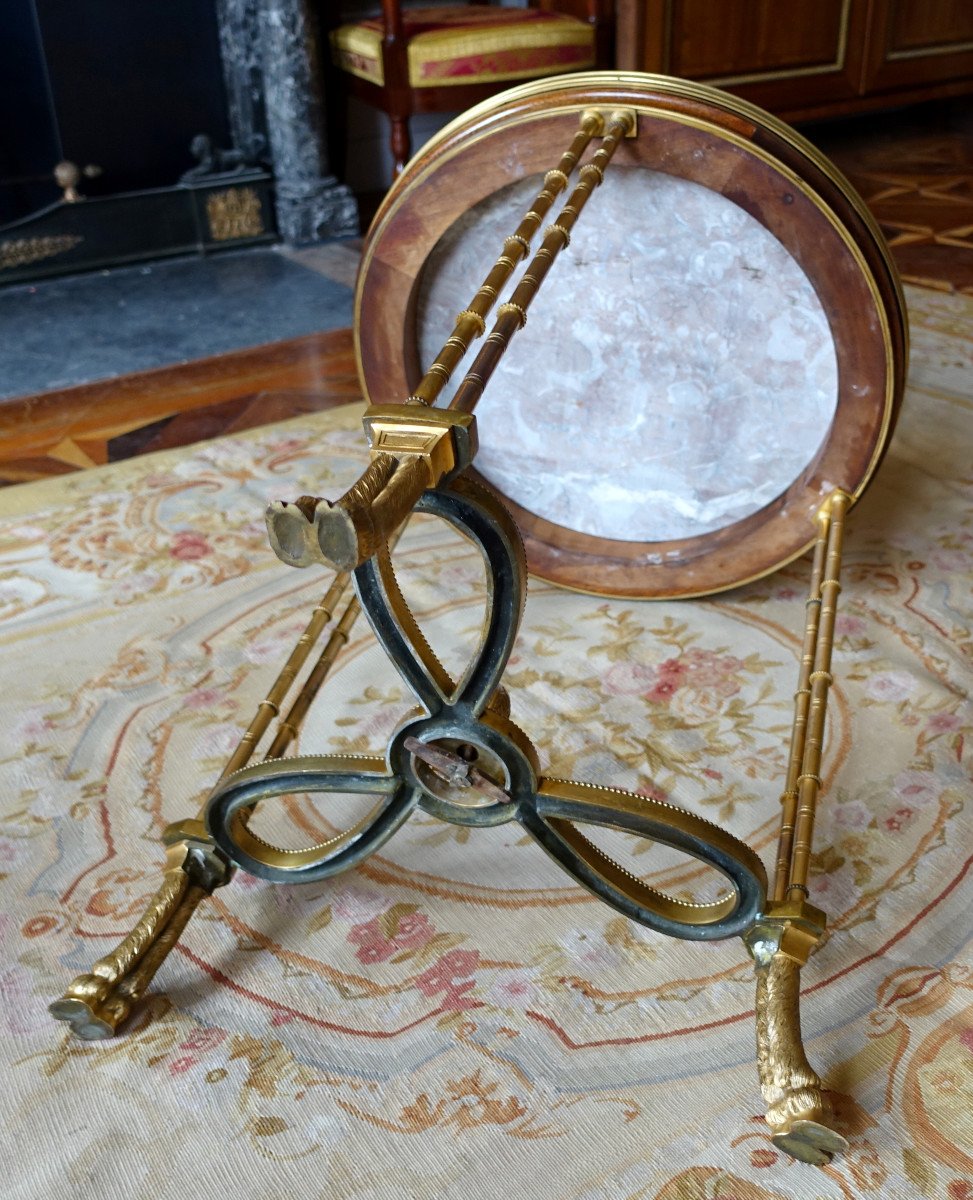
{"points": [[67, 175], [462, 759]]}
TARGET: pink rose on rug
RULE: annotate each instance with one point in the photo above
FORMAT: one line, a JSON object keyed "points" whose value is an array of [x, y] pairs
{"points": [[899, 819], [245, 880], [31, 725], [285, 445], [917, 787], [359, 904], [19, 1011], [13, 851], [205, 1039], [273, 646], [220, 740], [668, 677], [378, 725], [160, 480], [373, 945], [204, 698], [952, 560], [848, 626], [944, 722], [514, 989], [628, 679], [890, 686], [412, 929], [135, 586], [852, 814], [189, 546], [701, 670], [708, 671], [589, 947], [445, 976], [462, 576]]}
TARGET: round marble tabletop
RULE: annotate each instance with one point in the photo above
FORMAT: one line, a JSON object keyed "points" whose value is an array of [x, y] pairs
{"points": [[687, 332]]}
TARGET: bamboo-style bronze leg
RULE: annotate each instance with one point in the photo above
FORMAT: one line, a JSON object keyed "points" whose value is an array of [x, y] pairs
{"points": [[798, 1111], [96, 1003]]}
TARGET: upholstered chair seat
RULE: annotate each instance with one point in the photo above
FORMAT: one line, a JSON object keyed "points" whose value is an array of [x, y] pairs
{"points": [[469, 45], [443, 58]]}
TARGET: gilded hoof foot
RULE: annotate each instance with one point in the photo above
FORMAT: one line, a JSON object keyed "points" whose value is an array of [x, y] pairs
{"points": [[810, 1142], [82, 1018], [91, 1007]]}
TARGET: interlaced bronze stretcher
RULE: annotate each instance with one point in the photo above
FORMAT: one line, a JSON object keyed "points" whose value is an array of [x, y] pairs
{"points": [[462, 759]]}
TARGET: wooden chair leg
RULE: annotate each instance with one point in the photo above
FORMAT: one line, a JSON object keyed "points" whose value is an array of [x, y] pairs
{"points": [[401, 143]]}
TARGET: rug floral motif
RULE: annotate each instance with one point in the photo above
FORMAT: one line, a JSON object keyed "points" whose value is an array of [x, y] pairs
{"points": [[456, 1017]]}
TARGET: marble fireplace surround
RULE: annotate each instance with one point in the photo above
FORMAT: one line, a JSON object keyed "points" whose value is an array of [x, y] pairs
{"points": [[677, 372], [271, 70]]}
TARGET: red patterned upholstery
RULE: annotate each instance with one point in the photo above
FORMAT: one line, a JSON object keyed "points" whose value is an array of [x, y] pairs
{"points": [[466, 45], [424, 58]]}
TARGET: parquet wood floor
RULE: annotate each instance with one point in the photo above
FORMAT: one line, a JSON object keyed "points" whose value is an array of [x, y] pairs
{"points": [[914, 169], [55, 432]]}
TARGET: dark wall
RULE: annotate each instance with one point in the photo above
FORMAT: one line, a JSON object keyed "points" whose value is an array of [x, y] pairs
{"points": [[29, 145], [123, 84]]}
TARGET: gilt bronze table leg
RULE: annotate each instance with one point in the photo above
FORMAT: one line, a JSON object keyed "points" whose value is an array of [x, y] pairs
{"points": [[96, 1003], [798, 1110]]}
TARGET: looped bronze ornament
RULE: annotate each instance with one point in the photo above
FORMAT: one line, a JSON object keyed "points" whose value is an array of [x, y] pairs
{"points": [[459, 727]]}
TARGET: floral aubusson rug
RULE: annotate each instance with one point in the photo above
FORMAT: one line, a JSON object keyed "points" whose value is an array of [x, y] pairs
{"points": [[456, 1018]]}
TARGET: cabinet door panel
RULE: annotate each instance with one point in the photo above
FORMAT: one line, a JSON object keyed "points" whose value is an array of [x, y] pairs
{"points": [[916, 43], [793, 59], [748, 40], [916, 28]]}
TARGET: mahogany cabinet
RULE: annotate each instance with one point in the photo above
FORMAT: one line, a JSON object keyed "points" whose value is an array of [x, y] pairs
{"points": [[805, 58]]}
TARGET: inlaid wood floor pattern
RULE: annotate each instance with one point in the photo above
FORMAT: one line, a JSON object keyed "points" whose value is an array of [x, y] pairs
{"points": [[915, 171], [55, 432], [913, 168]]}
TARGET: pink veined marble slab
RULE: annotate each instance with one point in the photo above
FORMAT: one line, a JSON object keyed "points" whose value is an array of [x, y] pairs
{"points": [[676, 373]]}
